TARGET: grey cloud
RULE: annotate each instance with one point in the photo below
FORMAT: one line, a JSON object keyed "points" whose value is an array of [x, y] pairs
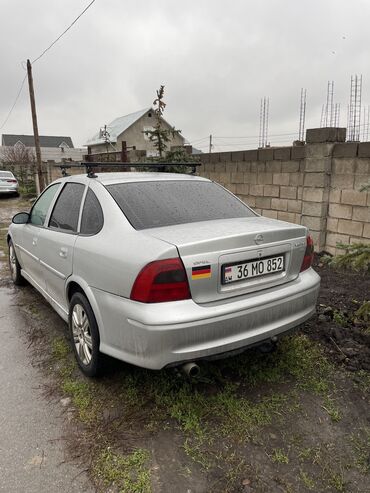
{"points": [[216, 59]]}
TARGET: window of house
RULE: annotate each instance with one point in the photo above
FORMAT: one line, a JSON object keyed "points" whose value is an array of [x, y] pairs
{"points": [[147, 129], [92, 215], [67, 208]]}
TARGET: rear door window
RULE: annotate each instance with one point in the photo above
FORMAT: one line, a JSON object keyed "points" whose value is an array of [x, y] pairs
{"points": [[151, 204], [67, 208]]}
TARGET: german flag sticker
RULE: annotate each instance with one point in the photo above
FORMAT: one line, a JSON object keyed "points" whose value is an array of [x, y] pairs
{"points": [[201, 272]]}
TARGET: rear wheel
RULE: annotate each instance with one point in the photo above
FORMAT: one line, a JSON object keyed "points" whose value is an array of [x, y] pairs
{"points": [[85, 335], [14, 267]]}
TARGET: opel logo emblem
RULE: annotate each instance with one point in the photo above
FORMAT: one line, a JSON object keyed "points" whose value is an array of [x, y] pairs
{"points": [[258, 239]]}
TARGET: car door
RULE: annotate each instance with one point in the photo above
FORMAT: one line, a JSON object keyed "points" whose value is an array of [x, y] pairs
{"points": [[27, 239], [56, 241]]}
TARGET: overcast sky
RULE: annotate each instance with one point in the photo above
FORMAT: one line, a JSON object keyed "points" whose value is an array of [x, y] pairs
{"points": [[215, 58]]}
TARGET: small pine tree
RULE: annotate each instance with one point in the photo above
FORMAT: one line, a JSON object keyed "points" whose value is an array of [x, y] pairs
{"points": [[355, 257], [161, 136]]}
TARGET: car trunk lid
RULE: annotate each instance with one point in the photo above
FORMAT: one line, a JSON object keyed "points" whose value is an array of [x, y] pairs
{"points": [[207, 248]]}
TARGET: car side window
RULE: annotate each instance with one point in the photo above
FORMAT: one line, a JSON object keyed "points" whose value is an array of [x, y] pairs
{"points": [[92, 215], [41, 206], [67, 208]]}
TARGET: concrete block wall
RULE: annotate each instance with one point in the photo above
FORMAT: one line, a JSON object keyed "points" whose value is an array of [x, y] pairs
{"points": [[348, 219], [317, 184]]}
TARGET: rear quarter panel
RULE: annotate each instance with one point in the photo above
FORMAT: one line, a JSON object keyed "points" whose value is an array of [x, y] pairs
{"points": [[111, 260]]}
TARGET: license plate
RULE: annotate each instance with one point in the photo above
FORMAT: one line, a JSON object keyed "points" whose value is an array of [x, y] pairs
{"points": [[253, 268]]}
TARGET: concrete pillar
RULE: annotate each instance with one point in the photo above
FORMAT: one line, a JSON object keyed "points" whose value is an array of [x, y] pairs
{"points": [[317, 171]]}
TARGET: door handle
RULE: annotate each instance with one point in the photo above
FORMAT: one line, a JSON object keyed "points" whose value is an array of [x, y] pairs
{"points": [[34, 241], [63, 252]]}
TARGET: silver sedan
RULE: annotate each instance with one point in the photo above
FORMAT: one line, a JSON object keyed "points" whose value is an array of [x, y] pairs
{"points": [[160, 269], [8, 183]]}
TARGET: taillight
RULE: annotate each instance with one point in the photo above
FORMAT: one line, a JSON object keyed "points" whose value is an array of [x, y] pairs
{"points": [[11, 181], [162, 280], [308, 254]]}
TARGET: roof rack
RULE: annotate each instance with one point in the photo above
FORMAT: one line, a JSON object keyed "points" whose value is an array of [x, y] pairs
{"points": [[90, 166]]}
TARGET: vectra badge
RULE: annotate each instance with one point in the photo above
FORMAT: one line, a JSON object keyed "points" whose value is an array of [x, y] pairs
{"points": [[258, 239]]}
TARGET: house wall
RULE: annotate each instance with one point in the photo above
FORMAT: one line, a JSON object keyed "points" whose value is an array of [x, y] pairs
{"points": [[56, 154], [134, 136], [317, 185]]}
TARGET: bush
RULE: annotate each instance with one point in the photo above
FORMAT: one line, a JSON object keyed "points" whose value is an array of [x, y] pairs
{"points": [[356, 257]]}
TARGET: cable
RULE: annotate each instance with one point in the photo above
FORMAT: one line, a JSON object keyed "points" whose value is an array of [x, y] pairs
{"points": [[15, 102], [38, 58], [253, 136], [64, 32]]}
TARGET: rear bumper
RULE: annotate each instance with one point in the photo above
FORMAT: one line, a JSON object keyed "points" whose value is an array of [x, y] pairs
{"points": [[7, 190], [157, 335]]}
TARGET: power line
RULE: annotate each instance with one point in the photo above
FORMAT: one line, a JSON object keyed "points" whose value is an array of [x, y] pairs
{"points": [[64, 32], [15, 102], [253, 136], [38, 58]]}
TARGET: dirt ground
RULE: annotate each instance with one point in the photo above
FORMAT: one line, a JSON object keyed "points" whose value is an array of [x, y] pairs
{"points": [[294, 420]]}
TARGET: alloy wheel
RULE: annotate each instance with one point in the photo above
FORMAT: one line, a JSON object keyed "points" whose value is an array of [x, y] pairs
{"points": [[81, 334]]}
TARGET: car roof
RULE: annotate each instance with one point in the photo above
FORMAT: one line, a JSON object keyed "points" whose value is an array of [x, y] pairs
{"points": [[130, 176]]}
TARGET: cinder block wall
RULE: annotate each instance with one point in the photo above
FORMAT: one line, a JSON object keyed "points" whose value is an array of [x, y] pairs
{"points": [[317, 184]]}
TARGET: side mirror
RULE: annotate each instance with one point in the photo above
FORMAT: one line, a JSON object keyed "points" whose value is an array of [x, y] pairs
{"points": [[21, 218]]}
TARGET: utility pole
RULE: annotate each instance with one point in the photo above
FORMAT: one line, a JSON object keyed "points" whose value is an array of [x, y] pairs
{"points": [[40, 182], [210, 144]]}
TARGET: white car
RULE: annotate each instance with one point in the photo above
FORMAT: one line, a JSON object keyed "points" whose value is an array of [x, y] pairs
{"points": [[160, 269], [8, 183]]}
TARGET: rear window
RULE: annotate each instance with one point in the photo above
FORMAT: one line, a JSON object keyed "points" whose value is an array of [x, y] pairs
{"points": [[7, 174], [166, 203]]}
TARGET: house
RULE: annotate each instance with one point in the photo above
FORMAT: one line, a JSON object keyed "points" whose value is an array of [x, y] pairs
{"points": [[53, 148], [131, 130]]}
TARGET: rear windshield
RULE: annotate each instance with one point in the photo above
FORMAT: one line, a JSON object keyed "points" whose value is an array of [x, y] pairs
{"points": [[7, 174], [152, 204]]}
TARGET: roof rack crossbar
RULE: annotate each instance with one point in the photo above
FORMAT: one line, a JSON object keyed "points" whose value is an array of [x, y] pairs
{"points": [[91, 165]]}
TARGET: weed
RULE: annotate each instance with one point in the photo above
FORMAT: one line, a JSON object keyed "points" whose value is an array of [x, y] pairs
{"points": [[307, 480], [364, 311], [193, 449], [362, 381], [279, 456], [60, 348], [128, 473], [82, 398], [339, 318], [356, 257], [361, 446], [331, 409], [336, 480]]}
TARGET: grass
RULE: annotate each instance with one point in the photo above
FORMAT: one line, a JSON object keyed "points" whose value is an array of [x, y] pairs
{"points": [[307, 480], [361, 447], [82, 397], [362, 381], [127, 473], [279, 456], [336, 480], [223, 406], [60, 348], [332, 410], [3, 241]]}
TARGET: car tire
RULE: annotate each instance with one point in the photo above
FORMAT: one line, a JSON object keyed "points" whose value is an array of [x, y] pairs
{"points": [[84, 334], [14, 267]]}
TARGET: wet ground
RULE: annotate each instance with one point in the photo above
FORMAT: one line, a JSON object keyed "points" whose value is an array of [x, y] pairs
{"points": [[33, 457], [296, 420]]}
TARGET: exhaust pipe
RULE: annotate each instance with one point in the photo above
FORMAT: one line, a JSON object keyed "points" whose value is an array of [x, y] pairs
{"points": [[190, 369]]}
